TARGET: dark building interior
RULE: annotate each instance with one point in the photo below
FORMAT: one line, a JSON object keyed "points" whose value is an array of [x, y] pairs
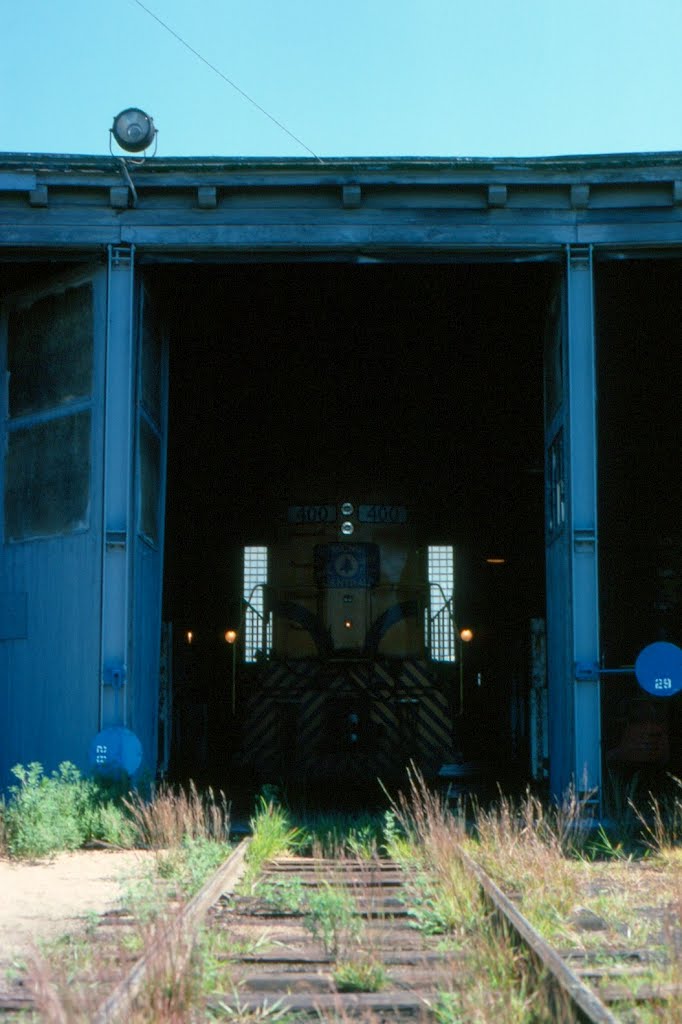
{"points": [[415, 384], [639, 323]]}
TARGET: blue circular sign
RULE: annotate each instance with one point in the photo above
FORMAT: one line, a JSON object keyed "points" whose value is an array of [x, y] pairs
{"points": [[659, 669], [115, 751]]}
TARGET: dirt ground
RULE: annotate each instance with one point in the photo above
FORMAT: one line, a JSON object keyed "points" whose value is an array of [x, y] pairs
{"points": [[48, 898]]}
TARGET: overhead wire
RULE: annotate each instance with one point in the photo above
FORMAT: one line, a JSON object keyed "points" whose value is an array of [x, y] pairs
{"points": [[228, 80]]}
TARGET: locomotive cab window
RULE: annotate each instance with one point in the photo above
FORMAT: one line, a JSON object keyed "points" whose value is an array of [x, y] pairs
{"points": [[441, 592], [257, 629]]}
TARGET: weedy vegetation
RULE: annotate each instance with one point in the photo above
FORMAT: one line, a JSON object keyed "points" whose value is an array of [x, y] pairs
{"points": [[362, 974], [60, 811], [343, 835], [333, 918], [272, 835], [561, 873], [68, 973]]}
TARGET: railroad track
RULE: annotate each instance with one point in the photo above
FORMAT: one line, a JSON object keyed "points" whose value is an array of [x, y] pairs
{"points": [[314, 932]]}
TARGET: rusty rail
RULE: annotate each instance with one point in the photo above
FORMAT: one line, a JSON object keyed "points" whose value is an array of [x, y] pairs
{"points": [[586, 1006], [175, 946]]}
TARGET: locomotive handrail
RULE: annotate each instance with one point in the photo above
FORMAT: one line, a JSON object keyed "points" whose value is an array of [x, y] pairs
{"points": [[447, 608], [458, 644], [247, 606]]}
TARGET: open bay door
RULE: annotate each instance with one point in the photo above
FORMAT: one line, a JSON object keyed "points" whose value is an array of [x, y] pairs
{"points": [[571, 532], [82, 417]]}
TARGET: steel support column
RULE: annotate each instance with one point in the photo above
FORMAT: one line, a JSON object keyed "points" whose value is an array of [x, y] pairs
{"points": [[582, 519], [119, 420]]}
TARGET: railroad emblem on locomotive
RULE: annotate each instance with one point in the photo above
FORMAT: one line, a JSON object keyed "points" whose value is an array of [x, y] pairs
{"points": [[346, 566]]}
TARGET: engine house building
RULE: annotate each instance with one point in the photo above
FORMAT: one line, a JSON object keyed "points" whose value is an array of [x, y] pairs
{"points": [[186, 343]]}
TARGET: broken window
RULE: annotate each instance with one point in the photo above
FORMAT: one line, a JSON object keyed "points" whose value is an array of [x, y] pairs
{"points": [[556, 485], [150, 481], [554, 362], [149, 419], [47, 488], [151, 372], [48, 456], [49, 352]]}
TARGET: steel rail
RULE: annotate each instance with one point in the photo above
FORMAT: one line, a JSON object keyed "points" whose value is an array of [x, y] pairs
{"points": [[175, 944], [587, 1007]]}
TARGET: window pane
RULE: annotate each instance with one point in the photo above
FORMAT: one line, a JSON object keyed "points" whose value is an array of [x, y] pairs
{"points": [[441, 587], [150, 481], [50, 347], [151, 363], [257, 630], [47, 479], [554, 365], [556, 508]]}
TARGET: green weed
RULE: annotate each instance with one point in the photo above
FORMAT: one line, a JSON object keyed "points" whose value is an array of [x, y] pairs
{"points": [[339, 835], [396, 843], [273, 1013], [61, 811], [286, 896], [602, 847], [363, 975], [188, 865], [272, 835], [333, 918], [445, 904]]}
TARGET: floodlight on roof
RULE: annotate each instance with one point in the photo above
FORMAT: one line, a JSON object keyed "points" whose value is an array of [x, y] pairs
{"points": [[133, 130]]}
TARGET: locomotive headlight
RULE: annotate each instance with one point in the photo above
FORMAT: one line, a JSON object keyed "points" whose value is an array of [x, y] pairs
{"points": [[348, 623], [347, 528], [347, 509]]}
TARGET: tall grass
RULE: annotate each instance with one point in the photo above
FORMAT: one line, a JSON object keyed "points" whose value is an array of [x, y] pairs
{"points": [[188, 832], [172, 815], [526, 845], [272, 835], [443, 898], [500, 984], [661, 823]]}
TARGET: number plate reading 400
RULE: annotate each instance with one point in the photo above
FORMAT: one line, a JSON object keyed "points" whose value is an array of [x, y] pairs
{"points": [[311, 514], [382, 514]]}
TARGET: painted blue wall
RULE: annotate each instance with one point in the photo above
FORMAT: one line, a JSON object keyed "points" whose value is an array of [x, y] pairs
{"points": [[49, 657]]}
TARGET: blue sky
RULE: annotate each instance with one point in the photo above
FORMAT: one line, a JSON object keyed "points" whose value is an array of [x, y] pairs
{"points": [[357, 78]]}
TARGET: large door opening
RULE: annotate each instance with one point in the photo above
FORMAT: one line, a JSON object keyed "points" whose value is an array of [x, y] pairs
{"points": [[639, 311], [411, 385]]}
